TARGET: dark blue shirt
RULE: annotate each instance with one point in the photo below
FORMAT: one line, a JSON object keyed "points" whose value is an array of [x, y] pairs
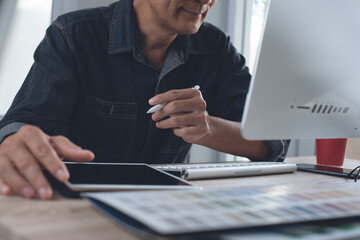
{"points": [[91, 82]]}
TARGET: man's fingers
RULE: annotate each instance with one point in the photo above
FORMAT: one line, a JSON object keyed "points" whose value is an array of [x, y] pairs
{"points": [[30, 169], [179, 121], [43, 153], [70, 151], [13, 179], [24, 153], [172, 95], [4, 188], [180, 106], [191, 134]]}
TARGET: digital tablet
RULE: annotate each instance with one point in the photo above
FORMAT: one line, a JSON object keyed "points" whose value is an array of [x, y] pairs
{"points": [[328, 170], [86, 177]]}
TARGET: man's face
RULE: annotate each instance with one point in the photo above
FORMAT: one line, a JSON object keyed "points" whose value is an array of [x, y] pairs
{"points": [[181, 16]]}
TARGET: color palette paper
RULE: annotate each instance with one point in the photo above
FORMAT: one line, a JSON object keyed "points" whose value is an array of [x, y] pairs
{"points": [[187, 211]]}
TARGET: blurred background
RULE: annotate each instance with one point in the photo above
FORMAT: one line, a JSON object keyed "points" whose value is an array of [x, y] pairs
{"points": [[23, 24]]}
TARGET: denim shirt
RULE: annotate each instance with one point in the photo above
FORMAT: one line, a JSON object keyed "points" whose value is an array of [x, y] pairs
{"points": [[91, 82]]}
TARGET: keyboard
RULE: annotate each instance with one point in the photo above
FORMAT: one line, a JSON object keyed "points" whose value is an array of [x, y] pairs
{"points": [[226, 169]]}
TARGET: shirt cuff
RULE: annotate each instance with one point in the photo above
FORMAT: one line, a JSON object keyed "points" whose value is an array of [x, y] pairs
{"points": [[10, 129], [277, 151]]}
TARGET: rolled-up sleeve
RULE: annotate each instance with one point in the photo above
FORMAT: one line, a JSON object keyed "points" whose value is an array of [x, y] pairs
{"points": [[9, 130], [277, 150]]}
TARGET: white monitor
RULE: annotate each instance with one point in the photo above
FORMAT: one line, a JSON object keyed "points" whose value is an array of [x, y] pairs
{"points": [[306, 81]]}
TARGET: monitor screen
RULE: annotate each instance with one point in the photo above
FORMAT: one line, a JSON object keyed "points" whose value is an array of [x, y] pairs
{"points": [[306, 81]]}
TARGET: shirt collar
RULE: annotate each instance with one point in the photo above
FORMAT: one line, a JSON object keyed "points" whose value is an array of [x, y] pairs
{"points": [[122, 30], [124, 33]]}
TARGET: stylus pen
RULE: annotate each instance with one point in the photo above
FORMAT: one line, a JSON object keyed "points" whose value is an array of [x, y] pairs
{"points": [[160, 106]]}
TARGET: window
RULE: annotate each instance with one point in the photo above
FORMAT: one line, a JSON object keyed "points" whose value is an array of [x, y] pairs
{"points": [[256, 25], [28, 21], [252, 32], [247, 24]]}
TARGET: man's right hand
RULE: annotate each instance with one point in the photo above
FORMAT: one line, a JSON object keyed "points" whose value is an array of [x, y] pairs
{"points": [[24, 154]]}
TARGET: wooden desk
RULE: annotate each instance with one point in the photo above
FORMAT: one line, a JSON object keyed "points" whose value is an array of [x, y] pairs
{"points": [[62, 218]]}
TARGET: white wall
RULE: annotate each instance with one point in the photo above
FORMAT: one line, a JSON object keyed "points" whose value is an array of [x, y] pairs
{"points": [[63, 6], [7, 8], [27, 28], [218, 15]]}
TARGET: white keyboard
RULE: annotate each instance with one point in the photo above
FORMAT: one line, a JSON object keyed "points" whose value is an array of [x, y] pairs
{"points": [[227, 169]]}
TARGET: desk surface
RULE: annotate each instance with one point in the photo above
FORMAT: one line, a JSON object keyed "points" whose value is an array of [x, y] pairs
{"points": [[62, 218]]}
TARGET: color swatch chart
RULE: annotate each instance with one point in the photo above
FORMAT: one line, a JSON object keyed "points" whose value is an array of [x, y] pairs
{"points": [[188, 211]]}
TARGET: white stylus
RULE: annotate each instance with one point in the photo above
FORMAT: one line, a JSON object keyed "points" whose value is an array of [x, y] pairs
{"points": [[160, 106]]}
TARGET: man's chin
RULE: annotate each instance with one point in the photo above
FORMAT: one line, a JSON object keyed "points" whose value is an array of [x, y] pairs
{"points": [[189, 29]]}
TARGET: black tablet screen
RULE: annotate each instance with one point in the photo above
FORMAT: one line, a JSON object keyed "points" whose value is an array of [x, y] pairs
{"points": [[120, 174]]}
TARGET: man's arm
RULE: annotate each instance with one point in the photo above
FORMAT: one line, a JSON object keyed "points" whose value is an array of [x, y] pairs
{"points": [[187, 116], [225, 136]]}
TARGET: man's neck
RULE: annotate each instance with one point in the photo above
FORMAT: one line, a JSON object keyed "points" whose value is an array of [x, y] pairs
{"points": [[155, 40]]}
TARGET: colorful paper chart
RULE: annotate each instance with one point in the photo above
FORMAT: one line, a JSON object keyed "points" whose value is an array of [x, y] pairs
{"points": [[187, 211]]}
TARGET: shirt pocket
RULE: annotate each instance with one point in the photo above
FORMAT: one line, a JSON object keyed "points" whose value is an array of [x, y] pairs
{"points": [[111, 128]]}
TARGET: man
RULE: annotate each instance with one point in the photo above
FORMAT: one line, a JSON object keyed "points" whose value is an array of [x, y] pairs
{"points": [[90, 86]]}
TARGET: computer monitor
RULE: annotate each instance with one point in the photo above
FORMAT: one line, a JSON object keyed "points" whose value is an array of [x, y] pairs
{"points": [[306, 81]]}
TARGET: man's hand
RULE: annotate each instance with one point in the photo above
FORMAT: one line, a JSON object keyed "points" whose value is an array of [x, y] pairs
{"points": [[24, 154], [186, 110]]}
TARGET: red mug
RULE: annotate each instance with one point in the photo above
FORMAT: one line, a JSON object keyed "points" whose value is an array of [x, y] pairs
{"points": [[330, 151]]}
